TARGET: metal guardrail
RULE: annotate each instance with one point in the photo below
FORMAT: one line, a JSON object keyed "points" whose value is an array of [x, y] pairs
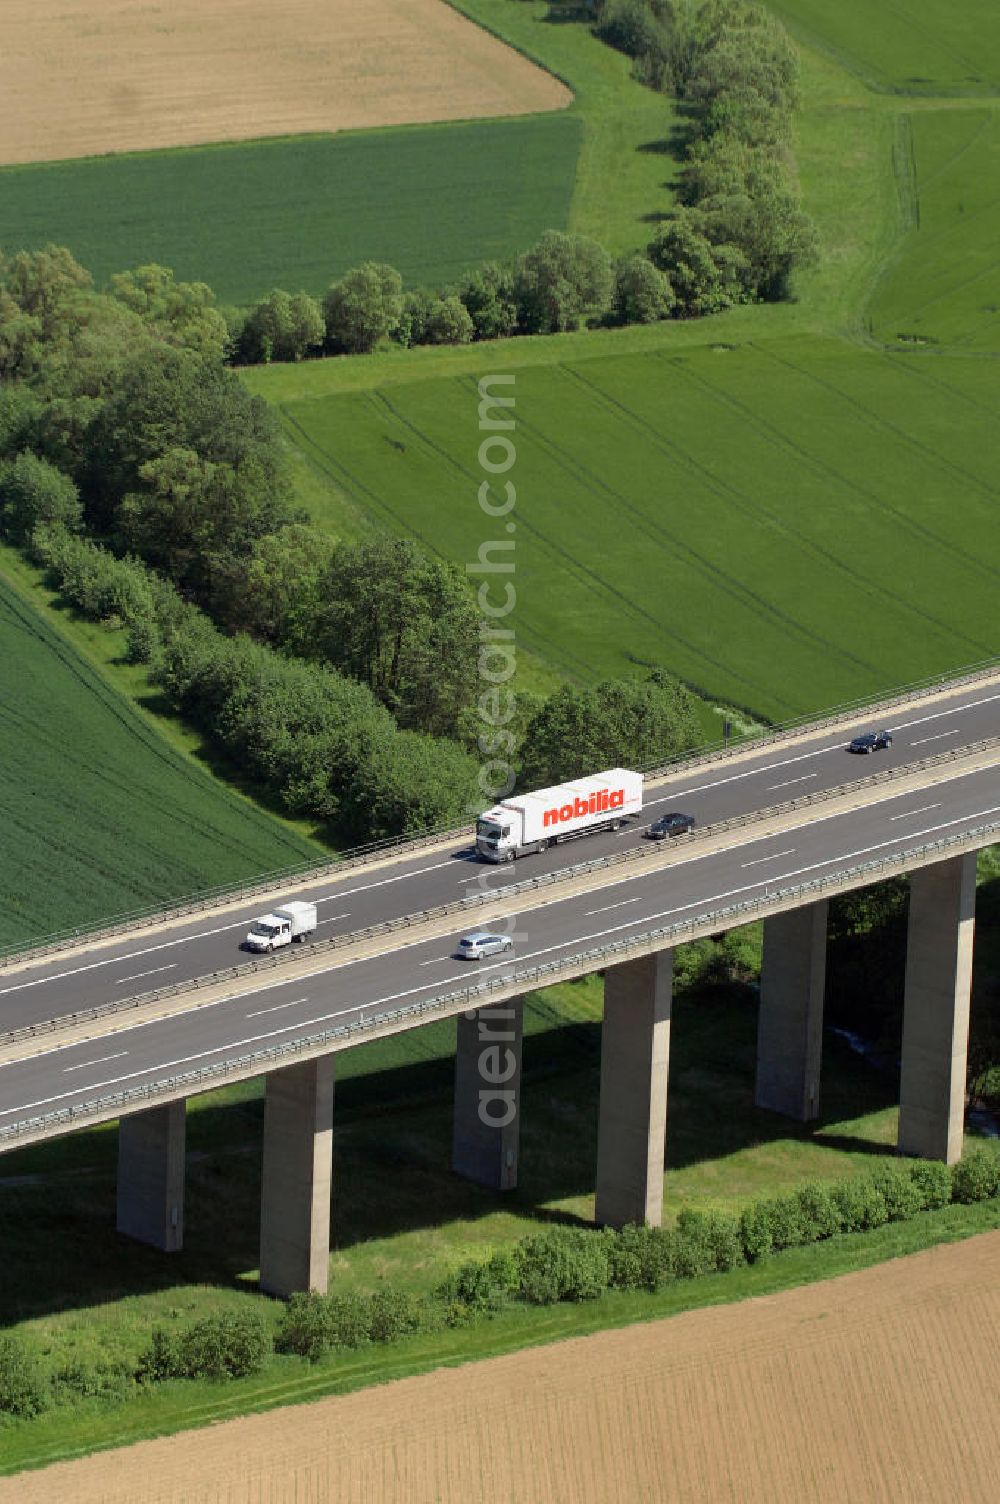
{"points": [[361, 856], [633, 856], [478, 995]]}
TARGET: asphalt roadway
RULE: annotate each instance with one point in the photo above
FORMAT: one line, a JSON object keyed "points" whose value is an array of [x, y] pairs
{"points": [[153, 957], [406, 969]]}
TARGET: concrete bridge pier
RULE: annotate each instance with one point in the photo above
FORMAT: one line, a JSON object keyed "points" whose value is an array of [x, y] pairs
{"points": [[936, 1009], [488, 1095], [790, 1022], [635, 1059], [151, 1176], [297, 1172]]}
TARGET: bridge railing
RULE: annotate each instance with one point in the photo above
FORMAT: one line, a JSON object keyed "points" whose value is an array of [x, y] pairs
{"points": [[635, 856], [152, 915], [478, 995]]}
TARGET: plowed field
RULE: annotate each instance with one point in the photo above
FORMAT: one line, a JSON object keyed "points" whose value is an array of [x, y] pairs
{"points": [[877, 1386], [84, 77]]}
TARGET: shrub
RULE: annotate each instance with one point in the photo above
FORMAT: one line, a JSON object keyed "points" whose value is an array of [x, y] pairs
{"points": [[225, 1345], [717, 1238], [640, 1258], [642, 292], [305, 1327], [860, 1203], [31, 492], [486, 1287], [819, 1217], [563, 1263], [976, 1177], [902, 1198], [76, 1380], [756, 1231], [393, 1314], [23, 1388], [933, 1182], [161, 1359], [787, 1223], [350, 1320]]}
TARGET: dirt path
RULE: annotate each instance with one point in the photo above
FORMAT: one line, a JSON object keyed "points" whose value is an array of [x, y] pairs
{"points": [[878, 1386], [83, 77]]}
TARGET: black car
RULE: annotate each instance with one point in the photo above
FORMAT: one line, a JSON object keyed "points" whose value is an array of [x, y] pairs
{"points": [[872, 741], [674, 824]]}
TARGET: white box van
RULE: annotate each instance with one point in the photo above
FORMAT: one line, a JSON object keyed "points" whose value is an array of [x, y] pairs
{"points": [[293, 921]]}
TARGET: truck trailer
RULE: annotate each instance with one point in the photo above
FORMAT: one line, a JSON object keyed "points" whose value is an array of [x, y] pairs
{"points": [[293, 921], [533, 822]]}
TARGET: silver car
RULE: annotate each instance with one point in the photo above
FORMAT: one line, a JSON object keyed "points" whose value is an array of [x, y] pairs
{"points": [[482, 943]]}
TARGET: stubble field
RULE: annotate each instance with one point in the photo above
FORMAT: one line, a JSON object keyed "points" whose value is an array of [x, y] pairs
{"points": [[91, 76], [861, 1388]]}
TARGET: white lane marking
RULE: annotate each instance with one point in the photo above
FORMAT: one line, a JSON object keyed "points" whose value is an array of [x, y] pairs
{"points": [[838, 746], [773, 857], [789, 781], [438, 866], [938, 738], [609, 906], [138, 975], [435, 960], [332, 919], [908, 812], [384, 882], [222, 929], [458, 976], [100, 1061], [277, 1007]]}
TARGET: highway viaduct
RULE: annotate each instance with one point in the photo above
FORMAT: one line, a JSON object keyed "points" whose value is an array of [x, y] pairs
{"points": [[784, 825]]}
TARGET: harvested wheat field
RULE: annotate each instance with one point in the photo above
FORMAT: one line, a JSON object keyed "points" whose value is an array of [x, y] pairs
{"points": [[875, 1386], [83, 77]]}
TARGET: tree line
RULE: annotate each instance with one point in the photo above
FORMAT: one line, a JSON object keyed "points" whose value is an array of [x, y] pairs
{"points": [[739, 230], [736, 235], [342, 677]]}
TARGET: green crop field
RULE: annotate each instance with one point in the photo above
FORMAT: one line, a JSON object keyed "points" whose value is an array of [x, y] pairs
{"points": [[431, 200], [786, 525], [99, 815], [944, 287], [908, 46], [814, 517]]}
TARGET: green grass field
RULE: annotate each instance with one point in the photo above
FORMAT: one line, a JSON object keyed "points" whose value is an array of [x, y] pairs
{"points": [[296, 214], [799, 503], [908, 46], [944, 286], [100, 814]]}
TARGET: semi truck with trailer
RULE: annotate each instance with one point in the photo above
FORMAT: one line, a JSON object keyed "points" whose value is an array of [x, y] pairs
{"points": [[293, 921], [533, 822]]}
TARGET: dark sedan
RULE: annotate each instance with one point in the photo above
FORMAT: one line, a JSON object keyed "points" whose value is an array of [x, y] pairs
{"points": [[872, 741], [675, 824]]}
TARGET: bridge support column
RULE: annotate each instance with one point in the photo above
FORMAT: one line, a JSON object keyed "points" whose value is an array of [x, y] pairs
{"points": [[297, 1171], [790, 1022], [936, 1009], [488, 1095], [635, 1058], [151, 1176]]}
